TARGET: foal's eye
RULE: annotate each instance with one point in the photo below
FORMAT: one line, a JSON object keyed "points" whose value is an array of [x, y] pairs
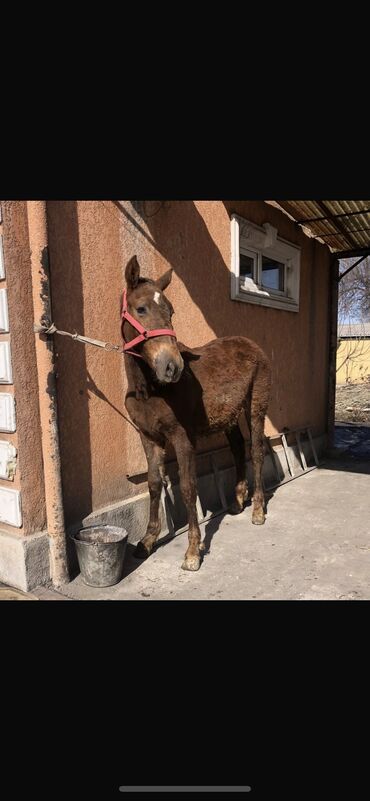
{"points": [[141, 310]]}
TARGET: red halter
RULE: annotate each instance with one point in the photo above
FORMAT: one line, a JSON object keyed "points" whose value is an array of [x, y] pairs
{"points": [[143, 333]]}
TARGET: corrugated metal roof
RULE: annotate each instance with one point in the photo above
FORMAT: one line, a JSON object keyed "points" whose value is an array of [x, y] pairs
{"points": [[353, 330], [343, 225]]}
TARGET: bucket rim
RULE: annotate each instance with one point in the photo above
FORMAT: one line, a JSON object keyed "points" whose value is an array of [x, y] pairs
{"points": [[124, 535]]}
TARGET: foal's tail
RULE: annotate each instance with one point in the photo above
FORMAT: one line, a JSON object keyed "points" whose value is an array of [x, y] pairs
{"points": [[258, 397], [261, 389]]}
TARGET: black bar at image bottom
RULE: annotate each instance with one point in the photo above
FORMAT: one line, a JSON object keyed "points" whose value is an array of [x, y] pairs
{"points": [[185, 789]]}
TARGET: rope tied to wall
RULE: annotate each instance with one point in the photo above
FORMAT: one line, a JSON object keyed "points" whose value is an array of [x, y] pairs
{"points": [[98, 343], [52, 329]]}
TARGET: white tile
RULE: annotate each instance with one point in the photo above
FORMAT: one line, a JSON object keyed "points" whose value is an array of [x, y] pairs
{"points": [[2, 265], [8, 460], [7, 412], [4, 317], [10, 507], [6, 375]]}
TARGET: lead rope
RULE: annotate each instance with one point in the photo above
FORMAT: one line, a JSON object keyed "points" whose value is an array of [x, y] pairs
{"points": [[52, 329], [98, 343]]}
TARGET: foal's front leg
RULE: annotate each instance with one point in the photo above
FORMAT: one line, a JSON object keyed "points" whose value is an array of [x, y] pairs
{"points": [[155, 456], [185, 454]]}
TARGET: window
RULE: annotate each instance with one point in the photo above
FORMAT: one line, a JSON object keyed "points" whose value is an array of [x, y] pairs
{"points": [[265, 269]]}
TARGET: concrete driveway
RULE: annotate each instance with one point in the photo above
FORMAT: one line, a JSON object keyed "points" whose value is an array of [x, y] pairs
{"points": [[315, 545]]}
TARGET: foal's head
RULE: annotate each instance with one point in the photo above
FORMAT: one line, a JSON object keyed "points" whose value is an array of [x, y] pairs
{"points": [[150, 307]]}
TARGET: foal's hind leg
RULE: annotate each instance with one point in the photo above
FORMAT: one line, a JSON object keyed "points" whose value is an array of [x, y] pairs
{"points": [[236, 442], [155, 456], [260, 397], [257, 452]]}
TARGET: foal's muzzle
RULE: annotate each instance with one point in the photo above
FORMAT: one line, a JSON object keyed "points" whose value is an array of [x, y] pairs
{"points": [[168, 368]]}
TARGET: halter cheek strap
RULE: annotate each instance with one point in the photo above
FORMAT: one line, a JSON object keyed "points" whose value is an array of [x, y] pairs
{"points": [[143, 333]]}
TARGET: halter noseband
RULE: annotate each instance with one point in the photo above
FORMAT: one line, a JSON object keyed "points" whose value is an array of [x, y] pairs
{"points": [[143, 333]]}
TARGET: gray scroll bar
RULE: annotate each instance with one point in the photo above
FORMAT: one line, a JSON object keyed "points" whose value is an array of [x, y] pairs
{"points": [[185, 789]]}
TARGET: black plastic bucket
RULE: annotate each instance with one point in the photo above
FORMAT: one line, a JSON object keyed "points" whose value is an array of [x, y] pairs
{"points": [[100, 553]]}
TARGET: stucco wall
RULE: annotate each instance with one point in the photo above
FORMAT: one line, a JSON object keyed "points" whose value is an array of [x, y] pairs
{"points": [[90, 243], [353, 360], [194, 237]]}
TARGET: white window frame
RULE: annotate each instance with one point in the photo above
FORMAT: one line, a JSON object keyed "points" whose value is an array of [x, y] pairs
{"points": [[257, 241]]}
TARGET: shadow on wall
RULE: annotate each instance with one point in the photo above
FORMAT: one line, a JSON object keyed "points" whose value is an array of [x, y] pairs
{"points": [[178, 233], [181, 236], [73, 410], [187, 244]]}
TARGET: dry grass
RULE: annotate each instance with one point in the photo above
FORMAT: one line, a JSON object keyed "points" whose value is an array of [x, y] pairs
{"points": [[351, 402]]}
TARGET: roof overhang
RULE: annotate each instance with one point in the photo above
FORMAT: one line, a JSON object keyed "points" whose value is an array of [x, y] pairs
{"points": [[342, 225]]}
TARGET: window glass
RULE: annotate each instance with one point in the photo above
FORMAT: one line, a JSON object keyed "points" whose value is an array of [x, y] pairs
{"points": [[246, 266], [272, 274]]}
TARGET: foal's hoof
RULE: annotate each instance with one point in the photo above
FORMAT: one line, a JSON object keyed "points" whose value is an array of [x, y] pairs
{"points": [[141, 552], [191, 563], [258, 517], [235, 508]]}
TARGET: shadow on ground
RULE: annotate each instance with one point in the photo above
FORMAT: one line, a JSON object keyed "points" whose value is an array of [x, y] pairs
{"points": [[355, 438]]}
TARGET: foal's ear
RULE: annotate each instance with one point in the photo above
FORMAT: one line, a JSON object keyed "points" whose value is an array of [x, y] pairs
{"points": [[165, 279], [132, 273]]}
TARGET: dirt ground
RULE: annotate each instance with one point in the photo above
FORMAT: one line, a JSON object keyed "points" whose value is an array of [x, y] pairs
{"points": [[353, 403]]}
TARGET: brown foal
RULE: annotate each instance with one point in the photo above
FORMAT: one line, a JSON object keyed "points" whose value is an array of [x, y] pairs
{"points": [[177, 393]]}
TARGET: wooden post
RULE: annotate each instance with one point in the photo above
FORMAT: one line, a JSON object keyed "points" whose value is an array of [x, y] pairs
{"points": [[333, 340], [38, 237]]}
